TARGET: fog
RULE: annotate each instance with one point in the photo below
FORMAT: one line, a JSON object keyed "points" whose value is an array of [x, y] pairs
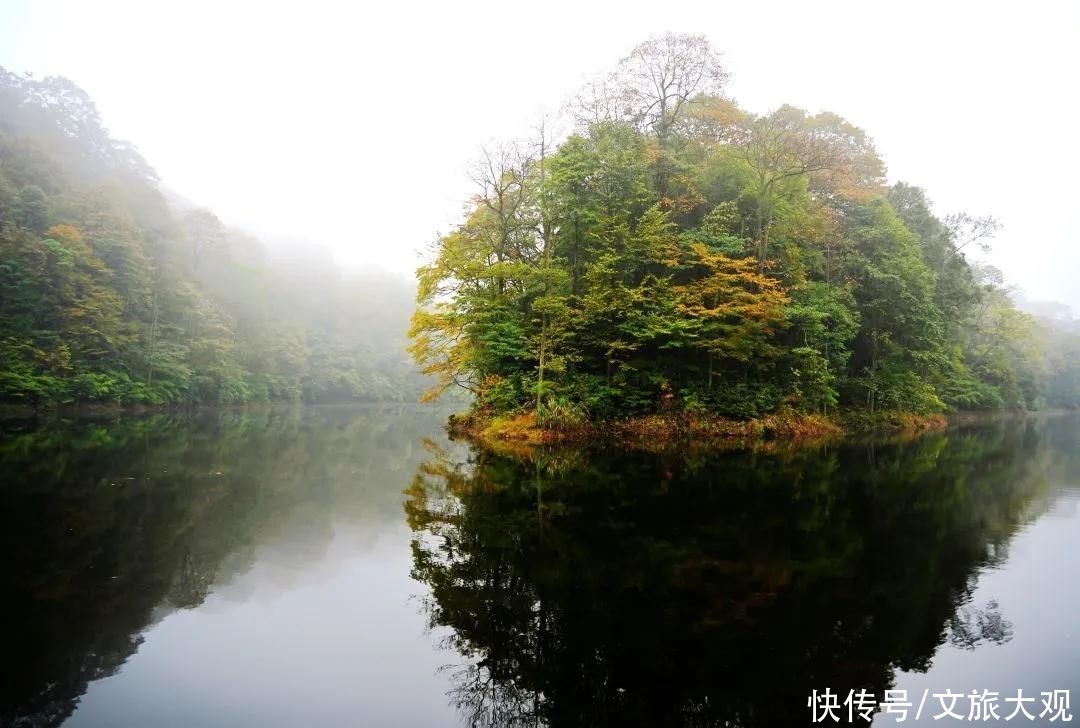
{"points": [[352, 127]]}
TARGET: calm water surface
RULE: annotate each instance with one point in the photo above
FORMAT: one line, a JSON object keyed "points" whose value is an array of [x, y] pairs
{"points": [[351, 567]]}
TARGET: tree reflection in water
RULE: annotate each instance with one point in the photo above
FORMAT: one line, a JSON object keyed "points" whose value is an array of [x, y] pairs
{"points": [[609, 588], [108, 526], [971, 626], [581, 588]]}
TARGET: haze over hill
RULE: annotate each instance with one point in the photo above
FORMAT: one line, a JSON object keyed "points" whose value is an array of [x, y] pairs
{"points": [[112, 291], [327, 127]]}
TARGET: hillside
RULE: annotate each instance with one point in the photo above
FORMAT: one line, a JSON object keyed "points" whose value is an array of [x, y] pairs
{"points": [[110, 293]]}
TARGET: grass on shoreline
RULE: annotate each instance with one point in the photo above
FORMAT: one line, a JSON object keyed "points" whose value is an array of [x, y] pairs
{"points": [[663, 431]]}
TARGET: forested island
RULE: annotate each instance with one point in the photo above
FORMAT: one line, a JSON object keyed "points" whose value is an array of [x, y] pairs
{"points": [[679, 259], [113, 290]]}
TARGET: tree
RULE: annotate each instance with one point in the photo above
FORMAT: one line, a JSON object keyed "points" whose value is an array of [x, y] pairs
{"points": [[787, 145], [652, 88], [655, 83], [901, 339], [824, 321], [735, 310]]}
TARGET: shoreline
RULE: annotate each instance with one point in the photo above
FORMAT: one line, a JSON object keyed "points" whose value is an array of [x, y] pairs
{"points": [[14, 411], [521, 433]]}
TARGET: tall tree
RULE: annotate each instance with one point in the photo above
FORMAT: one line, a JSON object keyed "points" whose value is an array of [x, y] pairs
{"points": [[788, 145]]}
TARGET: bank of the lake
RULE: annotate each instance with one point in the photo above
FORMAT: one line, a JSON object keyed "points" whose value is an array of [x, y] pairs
{"points": [[45, 412], [661, 431]]}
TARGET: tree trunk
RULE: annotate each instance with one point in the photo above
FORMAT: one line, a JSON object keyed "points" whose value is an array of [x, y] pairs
{"points": [[153, 339], [762, 223], [543, 351], [763, 249]]}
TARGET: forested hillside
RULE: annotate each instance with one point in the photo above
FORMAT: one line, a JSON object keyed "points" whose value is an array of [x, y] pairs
{"points": [[109, 293], [679, 253]]}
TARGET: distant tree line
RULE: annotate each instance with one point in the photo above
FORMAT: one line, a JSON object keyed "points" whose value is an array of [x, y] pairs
{"points": [[678, 252], [110, 293]]}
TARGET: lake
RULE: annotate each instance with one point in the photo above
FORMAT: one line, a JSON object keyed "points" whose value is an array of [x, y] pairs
{"points": [[350, 566]]}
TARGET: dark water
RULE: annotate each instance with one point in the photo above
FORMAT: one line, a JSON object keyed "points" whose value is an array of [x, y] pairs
{"points": [[350, 567]]}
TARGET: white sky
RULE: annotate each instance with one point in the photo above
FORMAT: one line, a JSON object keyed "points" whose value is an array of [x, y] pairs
{"points": [[352, 126]]}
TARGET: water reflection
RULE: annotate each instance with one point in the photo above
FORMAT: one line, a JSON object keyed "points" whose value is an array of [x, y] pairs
{"points": [[971, 626], [108, 527], [259, 566], [595, 588]]}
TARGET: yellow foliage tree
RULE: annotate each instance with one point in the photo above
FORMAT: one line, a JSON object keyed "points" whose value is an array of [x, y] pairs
{"points": [[736, 310]]}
